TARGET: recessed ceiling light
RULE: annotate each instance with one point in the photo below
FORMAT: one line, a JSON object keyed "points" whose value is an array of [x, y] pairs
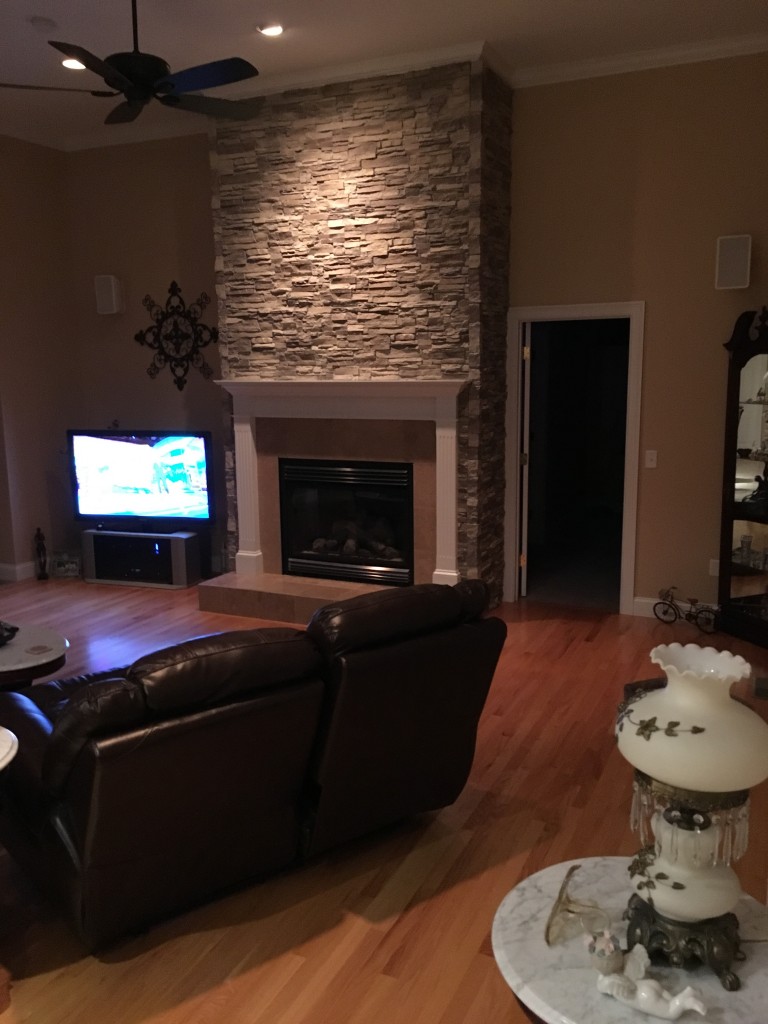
{"points": [[271, 30], [73, 65]]}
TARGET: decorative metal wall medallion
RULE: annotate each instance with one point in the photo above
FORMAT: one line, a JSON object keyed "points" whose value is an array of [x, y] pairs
{"points": [[177, 336]]}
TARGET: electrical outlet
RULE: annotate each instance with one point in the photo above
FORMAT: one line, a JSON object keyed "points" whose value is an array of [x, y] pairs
{"points": [[650, 459], [714, 567]]}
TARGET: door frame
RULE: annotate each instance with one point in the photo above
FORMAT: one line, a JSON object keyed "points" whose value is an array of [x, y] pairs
{"points": [[517, 318]]}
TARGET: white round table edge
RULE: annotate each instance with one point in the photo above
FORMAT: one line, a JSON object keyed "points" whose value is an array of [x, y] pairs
{"points": [[9, 744], [32, 646]]}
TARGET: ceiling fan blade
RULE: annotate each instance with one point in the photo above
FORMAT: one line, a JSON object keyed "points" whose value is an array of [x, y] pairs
{"points": [[206, 76], [124, 112], [99, 67], [212, 107], [48, 88]]}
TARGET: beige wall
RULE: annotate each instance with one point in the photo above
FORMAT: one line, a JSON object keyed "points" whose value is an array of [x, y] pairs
{"points": [[36, 338], [621, 187], [142, 213]]}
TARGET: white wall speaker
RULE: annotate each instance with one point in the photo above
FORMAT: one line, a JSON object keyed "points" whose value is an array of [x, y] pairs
{"points": [[109, 294], [732, 262]]}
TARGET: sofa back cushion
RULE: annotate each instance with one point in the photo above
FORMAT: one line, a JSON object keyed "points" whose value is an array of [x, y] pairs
{"points": [[212, 669], [394, 614]]}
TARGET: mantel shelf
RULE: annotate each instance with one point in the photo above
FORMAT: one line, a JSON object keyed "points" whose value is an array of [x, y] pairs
{"points": [[348, 398]]}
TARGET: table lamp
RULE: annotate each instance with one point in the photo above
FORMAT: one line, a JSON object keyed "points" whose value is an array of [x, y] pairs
{"points": [[696, 752]]}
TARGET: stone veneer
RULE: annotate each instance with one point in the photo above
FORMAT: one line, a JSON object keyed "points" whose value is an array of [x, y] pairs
{"points": [[362, 230]]}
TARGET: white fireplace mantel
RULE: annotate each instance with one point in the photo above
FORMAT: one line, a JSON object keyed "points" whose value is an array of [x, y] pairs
{"points": [[381, 399]]}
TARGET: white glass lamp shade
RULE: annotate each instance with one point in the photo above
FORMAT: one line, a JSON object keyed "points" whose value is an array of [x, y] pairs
{"points": [[691, 734]]}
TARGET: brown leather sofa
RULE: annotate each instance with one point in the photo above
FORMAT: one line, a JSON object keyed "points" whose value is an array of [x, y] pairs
{"points": [[139, 792]]}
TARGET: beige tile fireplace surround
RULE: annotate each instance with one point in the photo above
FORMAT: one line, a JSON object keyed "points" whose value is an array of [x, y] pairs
{"points": [[390, 420]]}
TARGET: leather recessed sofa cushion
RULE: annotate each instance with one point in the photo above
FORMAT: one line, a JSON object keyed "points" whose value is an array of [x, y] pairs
{"points": [[210, 669], [389, 615]]}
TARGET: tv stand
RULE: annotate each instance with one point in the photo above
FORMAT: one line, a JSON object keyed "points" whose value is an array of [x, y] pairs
{"points": [[141, 559]]}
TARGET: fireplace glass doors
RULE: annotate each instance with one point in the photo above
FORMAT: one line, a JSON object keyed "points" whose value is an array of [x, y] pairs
{"points": [[347, 520]]}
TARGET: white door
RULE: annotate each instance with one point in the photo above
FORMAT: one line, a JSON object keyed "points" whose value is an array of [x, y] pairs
{"points": [[524, 454]]}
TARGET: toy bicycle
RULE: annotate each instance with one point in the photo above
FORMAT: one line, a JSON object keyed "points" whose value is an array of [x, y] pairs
{"points": [[668, 609]]}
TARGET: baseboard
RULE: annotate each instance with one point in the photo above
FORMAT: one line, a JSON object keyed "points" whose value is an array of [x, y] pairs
{"points": [[643, 606], [10, 573]]}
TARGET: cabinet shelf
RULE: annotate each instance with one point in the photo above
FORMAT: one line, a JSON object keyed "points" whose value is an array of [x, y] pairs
{"points": [[743, 514]]}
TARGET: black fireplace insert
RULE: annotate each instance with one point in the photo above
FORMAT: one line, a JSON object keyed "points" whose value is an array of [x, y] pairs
{"points": [[347, 520]]}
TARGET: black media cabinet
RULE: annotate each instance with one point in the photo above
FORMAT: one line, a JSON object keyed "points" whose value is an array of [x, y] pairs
{"points": [[141, 559]]}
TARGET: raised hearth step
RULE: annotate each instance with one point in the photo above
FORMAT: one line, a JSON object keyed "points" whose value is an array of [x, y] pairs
{"points": [[273, 596]]}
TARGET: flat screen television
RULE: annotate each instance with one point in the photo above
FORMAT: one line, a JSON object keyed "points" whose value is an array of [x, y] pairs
{"points": [[142, 480]]}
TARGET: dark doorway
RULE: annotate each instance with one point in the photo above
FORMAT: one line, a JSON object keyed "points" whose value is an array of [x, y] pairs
{"points": [[577, 419]]}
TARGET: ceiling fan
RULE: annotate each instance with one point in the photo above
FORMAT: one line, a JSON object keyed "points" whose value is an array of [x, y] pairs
{"points": [[140, 77]]}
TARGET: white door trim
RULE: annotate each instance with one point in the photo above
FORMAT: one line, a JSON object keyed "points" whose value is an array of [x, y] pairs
{"points": [[635, 313]]}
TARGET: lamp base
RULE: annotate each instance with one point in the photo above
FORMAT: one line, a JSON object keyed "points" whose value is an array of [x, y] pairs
{"points": [[714, 941]]}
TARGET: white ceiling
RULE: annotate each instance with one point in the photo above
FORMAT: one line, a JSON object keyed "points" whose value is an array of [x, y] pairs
{"points": [[328, 40]]}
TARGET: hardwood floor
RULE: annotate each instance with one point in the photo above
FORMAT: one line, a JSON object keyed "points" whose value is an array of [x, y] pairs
{"points": [[394, 929]]}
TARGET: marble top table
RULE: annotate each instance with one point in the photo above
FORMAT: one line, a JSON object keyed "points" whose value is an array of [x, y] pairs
{"points": [[34, 651], [559, 985]]}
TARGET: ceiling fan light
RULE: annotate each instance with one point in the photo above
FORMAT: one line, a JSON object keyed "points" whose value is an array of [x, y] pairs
{"points": [[271, 30], [73, 64]]}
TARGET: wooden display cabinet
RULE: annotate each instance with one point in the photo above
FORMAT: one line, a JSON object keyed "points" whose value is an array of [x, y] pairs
{"points": [[743, 586]]}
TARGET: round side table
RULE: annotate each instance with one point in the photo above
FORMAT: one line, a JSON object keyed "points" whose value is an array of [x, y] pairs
{"points": [[558, 984], [33, 652], [8, 746]]}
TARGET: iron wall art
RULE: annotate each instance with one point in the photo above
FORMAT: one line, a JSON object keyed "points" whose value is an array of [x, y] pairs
{"points": [[177, 336]]}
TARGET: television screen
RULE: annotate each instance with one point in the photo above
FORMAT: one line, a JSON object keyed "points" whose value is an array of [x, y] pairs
{"points": [[141, 475]]}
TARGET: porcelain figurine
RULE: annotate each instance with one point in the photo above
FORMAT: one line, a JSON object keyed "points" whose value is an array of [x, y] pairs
{"points": [[630, 986]]}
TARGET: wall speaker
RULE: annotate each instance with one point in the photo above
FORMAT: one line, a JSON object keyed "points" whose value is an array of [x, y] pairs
{"points": [[732, 262], [109, 295]]}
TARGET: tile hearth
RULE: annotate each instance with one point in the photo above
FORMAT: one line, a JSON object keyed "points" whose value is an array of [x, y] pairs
{"points": [[290, 599]]}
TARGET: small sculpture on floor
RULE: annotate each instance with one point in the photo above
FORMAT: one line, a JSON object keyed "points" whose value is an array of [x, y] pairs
{"points": [[623, 977], [42, 555]]}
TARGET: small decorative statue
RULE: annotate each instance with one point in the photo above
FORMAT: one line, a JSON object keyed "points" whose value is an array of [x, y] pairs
{"points": [[622, 975], [42, 555]]}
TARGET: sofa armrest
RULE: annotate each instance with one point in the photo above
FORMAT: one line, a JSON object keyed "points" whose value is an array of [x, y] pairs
{"points": [[52, 697], [102, 707]]}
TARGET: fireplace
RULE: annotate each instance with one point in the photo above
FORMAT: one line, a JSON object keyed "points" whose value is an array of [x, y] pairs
{"points": [[347, 520], [395, 405]]}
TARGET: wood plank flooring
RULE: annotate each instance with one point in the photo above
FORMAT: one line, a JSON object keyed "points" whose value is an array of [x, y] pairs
{"points": [[393, 929]]}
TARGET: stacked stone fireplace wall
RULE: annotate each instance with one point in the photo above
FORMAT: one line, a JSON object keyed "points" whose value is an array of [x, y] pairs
{"points": [[362, 230]]}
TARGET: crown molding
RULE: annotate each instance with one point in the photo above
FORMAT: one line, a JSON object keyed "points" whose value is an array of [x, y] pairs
{"points": [[395, 64], [642, 60], [518, 78]]}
